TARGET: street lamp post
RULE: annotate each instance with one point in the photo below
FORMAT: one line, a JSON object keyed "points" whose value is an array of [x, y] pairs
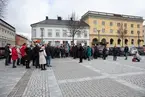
{"points": [[42, 34], [138, 38], [98, 35]]}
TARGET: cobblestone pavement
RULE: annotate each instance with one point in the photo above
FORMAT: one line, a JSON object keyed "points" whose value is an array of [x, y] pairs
{"points": [[68, 78], [9, 78]]}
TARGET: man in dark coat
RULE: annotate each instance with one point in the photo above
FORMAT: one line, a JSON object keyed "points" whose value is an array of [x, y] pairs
{"points": [[75, 52], [96, 52], [36, 56], [48, 53], [7, 54], [28, 57], [80, 51], [104, 53], [115, 51], [126, 49]]}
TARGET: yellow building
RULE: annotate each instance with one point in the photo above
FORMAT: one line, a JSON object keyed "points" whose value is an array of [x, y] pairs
{"points": [[113, 28]]}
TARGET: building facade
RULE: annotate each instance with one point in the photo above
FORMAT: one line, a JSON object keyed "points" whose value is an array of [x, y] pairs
{"points": [[115, 29], [144, 33], [7, 33], [20, 40], [56, 32]]}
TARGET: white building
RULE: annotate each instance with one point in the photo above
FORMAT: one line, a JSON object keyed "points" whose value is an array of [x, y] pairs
{"points": [[55, 31], [7, 33]]}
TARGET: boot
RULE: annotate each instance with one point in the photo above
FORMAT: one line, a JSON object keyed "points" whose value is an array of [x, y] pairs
{"points": [[41, 67], [44, 67]]}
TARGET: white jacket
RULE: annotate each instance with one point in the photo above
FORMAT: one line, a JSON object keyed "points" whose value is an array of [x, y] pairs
{"points": [[42, 56]]}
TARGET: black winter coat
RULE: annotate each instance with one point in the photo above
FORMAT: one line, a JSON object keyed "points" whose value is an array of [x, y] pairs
{"points": [[7, 51], [115, 51]]}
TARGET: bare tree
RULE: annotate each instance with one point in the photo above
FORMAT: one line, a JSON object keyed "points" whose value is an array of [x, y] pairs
{"points": [[75, 27], [122, 33], [3, 4]]}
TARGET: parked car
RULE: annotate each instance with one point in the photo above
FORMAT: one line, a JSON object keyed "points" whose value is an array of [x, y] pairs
{"points": [[141, 50], [101, 50], [119, 49], [132, 50], [2, 52]]}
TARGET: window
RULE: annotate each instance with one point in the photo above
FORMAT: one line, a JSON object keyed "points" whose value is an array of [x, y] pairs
{"points": [[118, 31], [79, 34], [138, 32], [132, 25], [111, 23], [85, 34], [118, 24], [64, 33], [132, 41], [95, 29], [132, 32], [111, 30], [57, 33], [103, 23], [118, 41], [125, 31], [2, 30], [125, 25], [95, 22], [138, 26], [49, 32], [33, 33], [111, 41], [103, 30]]}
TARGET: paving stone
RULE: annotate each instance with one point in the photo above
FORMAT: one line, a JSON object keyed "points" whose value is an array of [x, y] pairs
{"points": [[68, 69], [98, 88], [138, 80]]}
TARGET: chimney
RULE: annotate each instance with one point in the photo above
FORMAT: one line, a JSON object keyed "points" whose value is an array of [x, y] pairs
{"points": [[59, 18], [46, 17]]}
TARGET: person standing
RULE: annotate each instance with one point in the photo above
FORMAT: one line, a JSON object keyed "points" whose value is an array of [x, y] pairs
{"points": [[115, 53], [28, 57], [23, 53], [48, 53], [96, 52], [14, 56], [10, 56], [42, 58], [80, 51], [89, 53], [19, 55], [126, 49], [7, 54], [36, 56], [104, 53]]}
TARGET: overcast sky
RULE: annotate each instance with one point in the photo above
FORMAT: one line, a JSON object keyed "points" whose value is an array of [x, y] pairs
{"points": [[22, 13]]}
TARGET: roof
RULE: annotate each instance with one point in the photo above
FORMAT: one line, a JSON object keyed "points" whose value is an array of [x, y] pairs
{"points": [[57, 22], [21, 36], [113, 15], [7, 23]]}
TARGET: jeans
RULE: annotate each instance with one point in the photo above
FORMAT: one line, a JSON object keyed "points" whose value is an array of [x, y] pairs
{"points": [[48, 60]]}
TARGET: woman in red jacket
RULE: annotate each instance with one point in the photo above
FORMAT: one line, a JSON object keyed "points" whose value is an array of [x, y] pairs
{"points": [[14, 56], [23, 53]]}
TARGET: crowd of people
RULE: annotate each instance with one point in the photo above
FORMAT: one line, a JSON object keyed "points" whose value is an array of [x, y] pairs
{"points": [[41, 55]]}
